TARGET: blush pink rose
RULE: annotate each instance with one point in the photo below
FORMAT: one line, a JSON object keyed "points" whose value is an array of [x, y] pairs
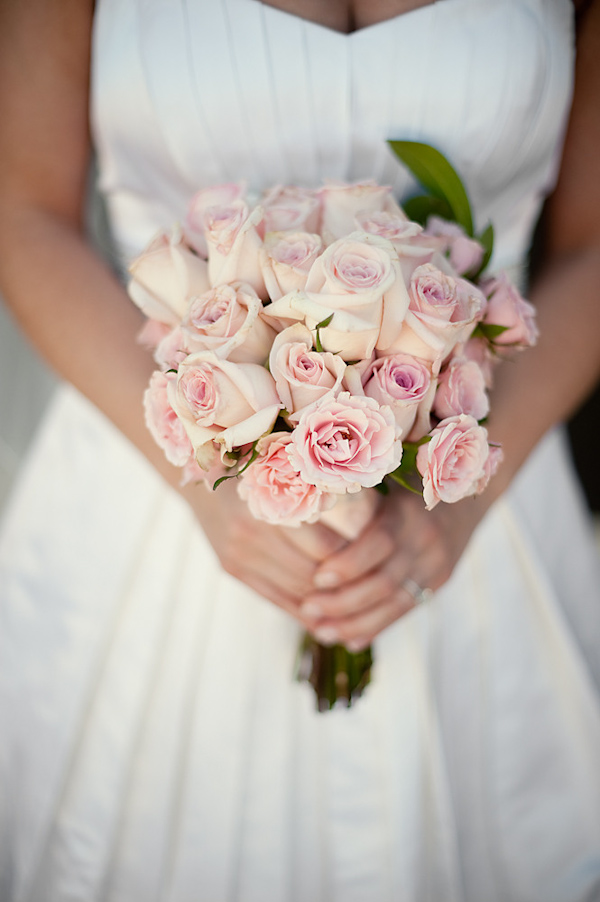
{"points": [[478, 350], [301, 374], [193, 473], [231, 404], [405, 384], [465, 254], [342, 202], [346, 443], [413, 247], [234, 238], [357, 280], [228, 320], [286, 260], [172, 349], [167, 430], [493, 461], [461, 389], [152, 333], [165, 276], [291, 209], [443, 312], [506, 307], [194, 225], [452, 464], [274, 489]]}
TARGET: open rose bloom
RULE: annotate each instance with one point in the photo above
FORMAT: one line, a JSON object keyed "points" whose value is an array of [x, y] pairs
{"points": [[301, 342], [316, 345]]}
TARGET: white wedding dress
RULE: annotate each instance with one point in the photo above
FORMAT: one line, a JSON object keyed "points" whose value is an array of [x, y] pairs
{"points": [[153, 745]]}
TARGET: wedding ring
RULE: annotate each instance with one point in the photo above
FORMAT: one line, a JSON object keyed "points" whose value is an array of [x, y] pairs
{"points": [[419, 595]]}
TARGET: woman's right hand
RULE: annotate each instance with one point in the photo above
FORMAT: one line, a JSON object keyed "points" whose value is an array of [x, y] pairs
{"points": [[277, 562]]}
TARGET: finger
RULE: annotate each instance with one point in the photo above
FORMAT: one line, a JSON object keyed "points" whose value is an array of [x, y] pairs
{"points": [[256, 548], [282, 565], [348, 600], [357, 632], [271, 592], [427, 568], [315, 540], [371, 549]]}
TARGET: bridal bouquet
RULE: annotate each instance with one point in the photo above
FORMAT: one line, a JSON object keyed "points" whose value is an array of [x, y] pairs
{"points": [[317, 344]]}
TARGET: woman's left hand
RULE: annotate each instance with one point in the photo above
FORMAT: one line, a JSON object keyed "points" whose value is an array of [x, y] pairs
{"points": [[378, 577]]}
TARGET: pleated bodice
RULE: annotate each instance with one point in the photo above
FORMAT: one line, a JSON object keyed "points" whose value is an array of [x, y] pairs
{"points": [[189, 93]]}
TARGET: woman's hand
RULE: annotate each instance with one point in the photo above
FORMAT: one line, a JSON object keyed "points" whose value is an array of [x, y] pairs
{"points": [[277, 562], [367, 585]]}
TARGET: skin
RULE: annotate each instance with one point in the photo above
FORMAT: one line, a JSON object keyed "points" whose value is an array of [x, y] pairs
{"points": [[81, 320]]}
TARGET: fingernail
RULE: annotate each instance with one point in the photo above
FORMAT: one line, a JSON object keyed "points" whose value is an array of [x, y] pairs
{"points": [[311, 609], [326, 579], [327, 635], [356, 645]]}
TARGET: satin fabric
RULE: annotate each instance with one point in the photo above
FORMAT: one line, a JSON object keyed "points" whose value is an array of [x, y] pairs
{"points": [[154, 744]]}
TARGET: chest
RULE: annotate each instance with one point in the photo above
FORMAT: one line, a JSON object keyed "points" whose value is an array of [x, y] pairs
{"points": [[347, 16]]}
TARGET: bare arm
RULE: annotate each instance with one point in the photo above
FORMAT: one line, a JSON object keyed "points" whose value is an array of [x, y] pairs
{"points": [[64, 297], [67, 300], [537, 390]]}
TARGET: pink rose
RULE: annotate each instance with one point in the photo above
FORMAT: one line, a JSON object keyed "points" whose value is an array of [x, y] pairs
{"points": [[507, 308], [231, 404], [493, 461], [302, 375], [172, 349], [452, 464], [228, 320], [342, 202], [166, 428], [165, 276], [358, 281], [194, 225], [465, 254], [234, 238], [274, 489], [291, 209], [286, 260], [342, 444], [405, 384], [461, 389], [478, 350], [192, 472], [152, 333], [443, 312], [410, 243]]}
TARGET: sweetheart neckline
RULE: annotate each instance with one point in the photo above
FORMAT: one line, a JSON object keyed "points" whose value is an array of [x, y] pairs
{"points": [[347, 35]]}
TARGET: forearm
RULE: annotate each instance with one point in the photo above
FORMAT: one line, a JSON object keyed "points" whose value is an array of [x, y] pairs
{"points": [[544, 385], [79, 317]]}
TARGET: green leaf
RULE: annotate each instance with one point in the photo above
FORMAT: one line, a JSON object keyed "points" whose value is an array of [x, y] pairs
{"points": [[397, 477], [486, 240], [421, 207], [490, 331], [322, 325], [251, 459], [408, 464], [434, 172]]}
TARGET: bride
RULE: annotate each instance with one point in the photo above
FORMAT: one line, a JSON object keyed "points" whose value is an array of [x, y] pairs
{"points": [[154, 744]]}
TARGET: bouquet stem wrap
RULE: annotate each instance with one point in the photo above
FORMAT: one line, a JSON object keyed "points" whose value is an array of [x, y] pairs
{"points": [[337, 675]]}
